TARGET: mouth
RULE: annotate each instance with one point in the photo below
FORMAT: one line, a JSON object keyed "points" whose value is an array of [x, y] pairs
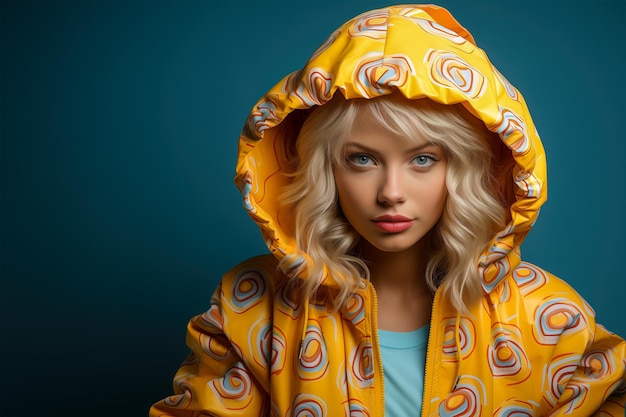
{"points": [[393, 223]]}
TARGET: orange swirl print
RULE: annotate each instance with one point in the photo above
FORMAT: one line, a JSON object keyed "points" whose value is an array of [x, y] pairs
{"points": [[290, 82], [313, 362], [499, 251], [397, 68], [576, 393], [320, 83], [492, 273], [358, 410], [355, 310], [371, 25], [308, 405], [212, 319], [516, 409], [342, 379], [504, 293], [528, 184], [244, 184], [466, 335], [213, 348], [449, 70], [555, 317], [508, 87], [286, 303], [464, 401], [598, 364], [590, 312], [248, 290], [617, 388], [375, 74], [187, 370], [361, 365], [263, 116], [436, 29], [234, 388], [279, 347], [529, 278], [315, 88], [505, 354], [260, 342], [513, 132], [558, 375], [179, 401]]}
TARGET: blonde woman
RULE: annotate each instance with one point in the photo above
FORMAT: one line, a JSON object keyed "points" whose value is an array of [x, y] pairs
{"points": [[394, 178]]}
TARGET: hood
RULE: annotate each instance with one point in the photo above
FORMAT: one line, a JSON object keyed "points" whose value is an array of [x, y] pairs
{"points": [[422, 52]]}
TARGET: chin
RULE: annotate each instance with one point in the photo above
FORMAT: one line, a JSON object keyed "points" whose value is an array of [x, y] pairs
{"points": [[393, 248]]}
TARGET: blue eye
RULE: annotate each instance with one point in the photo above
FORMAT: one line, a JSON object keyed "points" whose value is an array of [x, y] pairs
{"points": [[424, 160], [361, 159]]}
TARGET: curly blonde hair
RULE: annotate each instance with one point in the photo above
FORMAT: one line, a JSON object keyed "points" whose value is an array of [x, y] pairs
{"points": [[473, 213]]}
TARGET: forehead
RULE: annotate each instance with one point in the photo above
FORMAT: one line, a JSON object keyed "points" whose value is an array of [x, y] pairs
{"points": [[385, 124]]}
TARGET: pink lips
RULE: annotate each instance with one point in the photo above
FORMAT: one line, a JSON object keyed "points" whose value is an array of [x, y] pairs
{"points": [[393, 223]]}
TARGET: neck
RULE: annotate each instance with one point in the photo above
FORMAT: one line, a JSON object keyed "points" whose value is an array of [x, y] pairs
{"points": [[404, 299], [397, 271]]}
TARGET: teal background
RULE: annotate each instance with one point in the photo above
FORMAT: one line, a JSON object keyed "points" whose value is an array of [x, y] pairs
{"points": [[119, 124]]}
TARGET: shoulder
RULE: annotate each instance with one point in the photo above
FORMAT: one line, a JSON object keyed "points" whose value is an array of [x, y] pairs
{"points": [[264, 267], [536, 285], [565, 339], [251, 284], [549, 302]]}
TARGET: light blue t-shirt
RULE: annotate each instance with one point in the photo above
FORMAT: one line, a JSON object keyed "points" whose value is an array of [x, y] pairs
{"points": [[404, 360]]}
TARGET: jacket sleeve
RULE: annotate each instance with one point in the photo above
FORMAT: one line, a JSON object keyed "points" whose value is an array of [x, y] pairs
{"points": [[215, 379], [587, 373]]}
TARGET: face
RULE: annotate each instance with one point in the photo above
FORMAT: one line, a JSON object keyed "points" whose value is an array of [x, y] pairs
{"points": [[391, 190]]}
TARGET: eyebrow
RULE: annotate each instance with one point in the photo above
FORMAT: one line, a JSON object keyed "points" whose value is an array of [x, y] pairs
{"points": [[372, 150]]}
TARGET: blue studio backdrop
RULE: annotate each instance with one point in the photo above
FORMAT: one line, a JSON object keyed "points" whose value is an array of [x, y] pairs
{"points": [[119, 127]]}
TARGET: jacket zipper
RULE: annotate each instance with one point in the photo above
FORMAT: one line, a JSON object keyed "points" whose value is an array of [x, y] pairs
{"points": [[429, 383], [378, 353]]}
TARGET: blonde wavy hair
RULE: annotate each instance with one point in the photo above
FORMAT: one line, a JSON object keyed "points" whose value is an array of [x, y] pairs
{"points": [[473, 214]]}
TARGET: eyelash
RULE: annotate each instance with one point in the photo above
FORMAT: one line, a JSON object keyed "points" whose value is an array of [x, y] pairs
{"points": [[352, 159], [431, 159]]}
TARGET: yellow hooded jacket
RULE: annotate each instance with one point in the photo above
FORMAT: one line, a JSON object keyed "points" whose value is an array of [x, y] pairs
{"points": [[530, 348]]}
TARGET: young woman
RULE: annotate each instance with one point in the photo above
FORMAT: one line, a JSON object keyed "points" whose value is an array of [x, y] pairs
{"points": [[394, 178]]}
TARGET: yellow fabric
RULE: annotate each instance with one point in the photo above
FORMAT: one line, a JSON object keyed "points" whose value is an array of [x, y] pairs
{"points": [[531, 347]]}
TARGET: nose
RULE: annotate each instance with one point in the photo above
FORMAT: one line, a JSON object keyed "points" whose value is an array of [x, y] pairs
{"points": [[391, 190]]}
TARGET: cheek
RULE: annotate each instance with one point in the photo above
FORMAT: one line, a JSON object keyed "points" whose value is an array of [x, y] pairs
{"points": [[434, 193], [440, 191], [442, 197], [351, 196], [347, 196], [343, 185], [342, 191]]}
